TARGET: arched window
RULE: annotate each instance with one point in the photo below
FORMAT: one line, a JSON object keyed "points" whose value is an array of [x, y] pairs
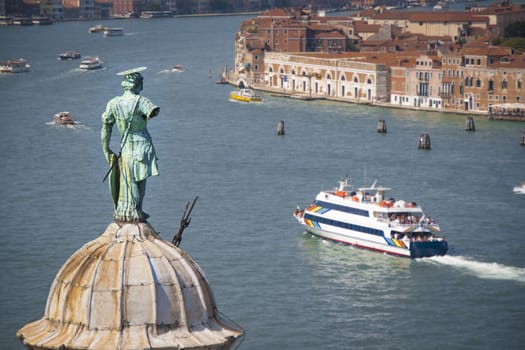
{"points": [[328, 76], [478, 82], [369, 81], [504, 84], [270, 69], [343, 78], [356, 80], [293, 71], [281, 71]]}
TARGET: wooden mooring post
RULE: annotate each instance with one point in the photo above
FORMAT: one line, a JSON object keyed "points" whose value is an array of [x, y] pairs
{"points": [[469, 124], [424, 141], [381, 126], [280, 128]]}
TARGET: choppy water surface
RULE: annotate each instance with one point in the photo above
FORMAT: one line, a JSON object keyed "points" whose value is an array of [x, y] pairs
{"points": [[287, 289]]}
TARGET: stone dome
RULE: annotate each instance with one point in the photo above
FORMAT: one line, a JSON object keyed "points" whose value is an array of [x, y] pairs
{"points": [[129, 289]]}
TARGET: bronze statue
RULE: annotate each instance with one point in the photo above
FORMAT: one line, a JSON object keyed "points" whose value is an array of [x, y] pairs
{"points": [[137, 159]]}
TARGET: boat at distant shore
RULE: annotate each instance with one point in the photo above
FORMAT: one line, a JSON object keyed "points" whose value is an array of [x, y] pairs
{"points": [[14, 66], [63, 118], [155, 14], [365, 218], [90, 63], [99, 28], [177, 68], [245, 95], [69, 55], [113, 31], [42, 20], [520, 189]]}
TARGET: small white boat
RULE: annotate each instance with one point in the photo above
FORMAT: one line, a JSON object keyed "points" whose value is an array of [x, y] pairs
{"points": [[113, 32], [245, 95], [63, 118], [366, 219], [177, 68], [520, 189], [69, 55], [440, 6], [15, 66], [43, 20], [90, 63], [97, 29]]}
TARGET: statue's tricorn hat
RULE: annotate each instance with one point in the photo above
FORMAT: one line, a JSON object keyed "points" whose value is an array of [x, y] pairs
{"points": [[131, 77], [132, 71]]}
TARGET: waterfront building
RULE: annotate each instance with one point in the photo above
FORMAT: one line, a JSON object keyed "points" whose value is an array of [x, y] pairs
{"points": [[346, 76], [416, 82], [79, 8], [455, 24], [52, 9], [500, 15], [123, 7], [484, 80]]}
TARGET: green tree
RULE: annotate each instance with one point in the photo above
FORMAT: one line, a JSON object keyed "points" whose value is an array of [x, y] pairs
{"points": [[516, 43]]}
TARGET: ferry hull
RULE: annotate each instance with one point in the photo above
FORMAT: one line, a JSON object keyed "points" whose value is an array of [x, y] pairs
{"points": [[416, 250], [428, 249]]}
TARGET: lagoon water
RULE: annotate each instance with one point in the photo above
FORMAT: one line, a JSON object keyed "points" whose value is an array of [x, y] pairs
{"points": [[287, 289]]}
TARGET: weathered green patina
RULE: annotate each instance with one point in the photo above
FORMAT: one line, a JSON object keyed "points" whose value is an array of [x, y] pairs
{"points": [[137, 160]]}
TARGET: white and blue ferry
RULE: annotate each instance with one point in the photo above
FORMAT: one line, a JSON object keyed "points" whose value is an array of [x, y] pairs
{"points": [[365, 218]]}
